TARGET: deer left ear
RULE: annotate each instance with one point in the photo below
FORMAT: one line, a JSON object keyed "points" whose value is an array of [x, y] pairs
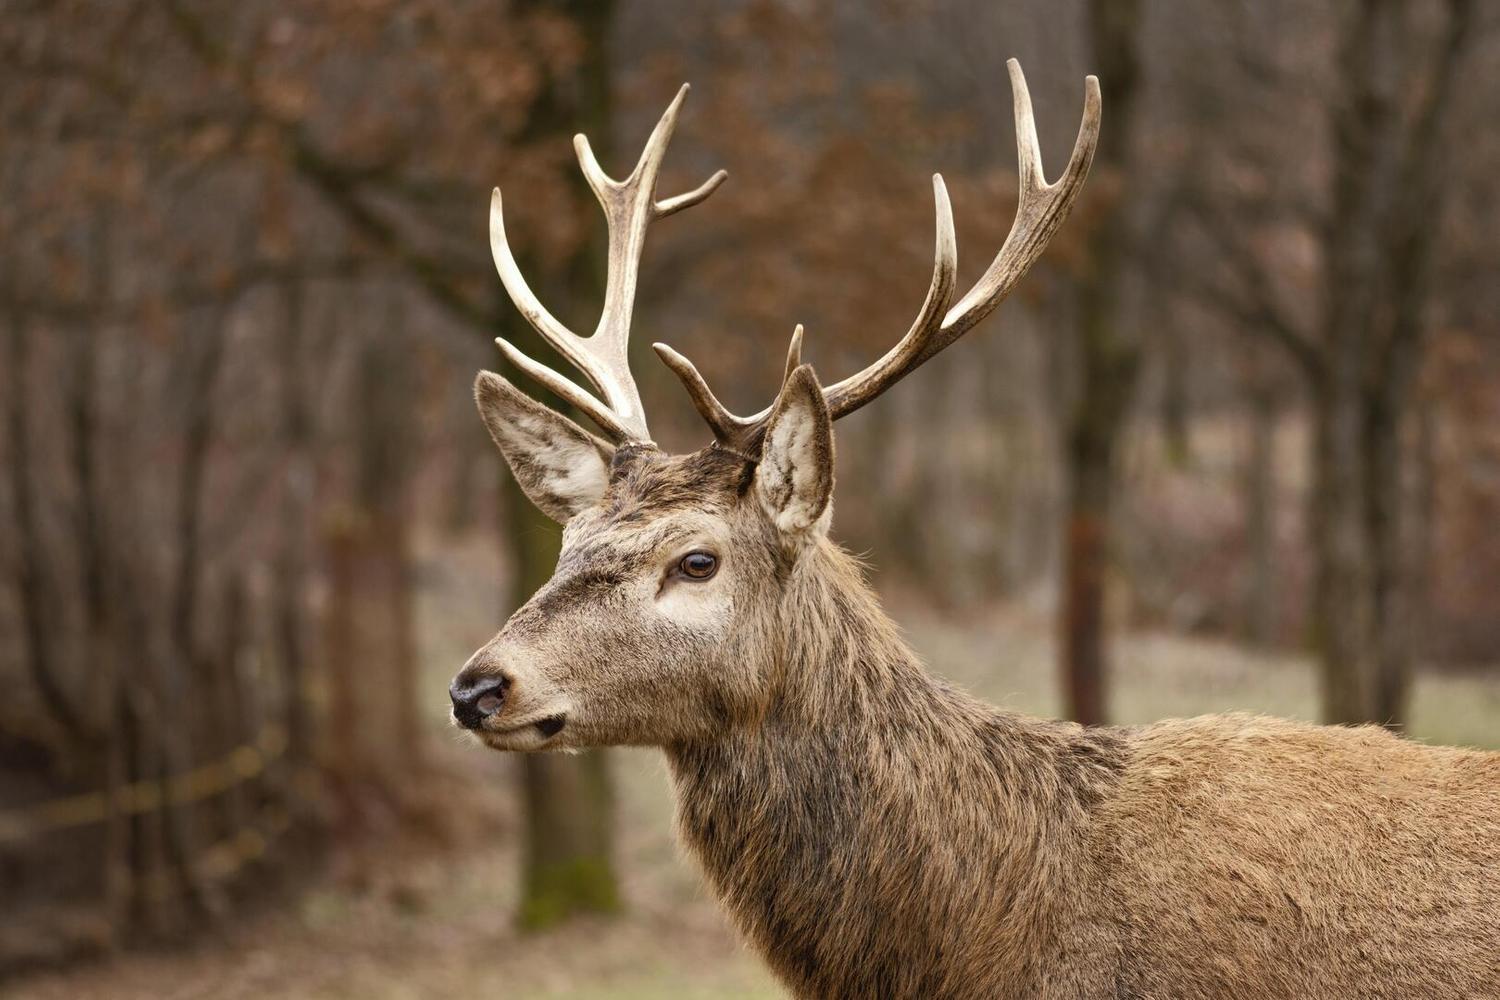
{"points": [[561, 467], [794, 479]]}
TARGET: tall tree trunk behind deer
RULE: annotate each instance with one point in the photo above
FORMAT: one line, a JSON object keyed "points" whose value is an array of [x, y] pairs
{"points": [[568, 863], [1107, 360], [30, 564], [373, 561], [1258, 615], [1378, 245], [387, 446], [190, 675], [101, 638], [1362, 124], [291, 568], [372, 735], [1411, 235]]}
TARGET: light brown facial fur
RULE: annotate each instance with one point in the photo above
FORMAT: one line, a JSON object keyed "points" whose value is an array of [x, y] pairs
{"points": [[875, 833], [639, 654], [620, 644]]}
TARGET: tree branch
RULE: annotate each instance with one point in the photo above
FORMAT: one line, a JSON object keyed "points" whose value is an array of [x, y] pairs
{"points": [[1256, 307], [338, 184]]}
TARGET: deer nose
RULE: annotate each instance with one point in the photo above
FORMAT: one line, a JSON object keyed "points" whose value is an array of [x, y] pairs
{"points": [[476, 698]]}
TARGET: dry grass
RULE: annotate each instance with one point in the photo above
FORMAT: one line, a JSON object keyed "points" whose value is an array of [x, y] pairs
{"points": [[1006, 657]]}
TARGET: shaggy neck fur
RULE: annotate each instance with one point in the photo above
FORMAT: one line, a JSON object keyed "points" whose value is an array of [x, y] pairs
{"points": [[859, 827]]}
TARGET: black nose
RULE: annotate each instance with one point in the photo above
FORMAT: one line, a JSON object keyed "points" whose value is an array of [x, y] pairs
{"points": [[476, 698]]}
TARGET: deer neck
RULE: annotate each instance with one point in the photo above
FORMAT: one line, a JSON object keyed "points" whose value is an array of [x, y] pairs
{"points": [[873, 810]]}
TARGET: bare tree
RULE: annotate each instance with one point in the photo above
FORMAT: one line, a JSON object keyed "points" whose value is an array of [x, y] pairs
{"points": [[1107, 357], [1376, 225]]}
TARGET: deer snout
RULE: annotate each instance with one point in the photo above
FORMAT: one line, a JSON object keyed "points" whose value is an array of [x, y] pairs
{"points": [[477, 696]]}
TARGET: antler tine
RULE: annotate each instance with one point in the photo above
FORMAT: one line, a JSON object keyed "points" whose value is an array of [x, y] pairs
{"points": [[677, 203], [1040, 210], [630, 206], [725, 425], [793, 354], [569, 390], [734, 433], [742, 434], [911, 350]]}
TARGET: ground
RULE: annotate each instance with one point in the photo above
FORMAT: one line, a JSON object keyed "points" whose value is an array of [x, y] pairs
{"points": [[437, 923]]}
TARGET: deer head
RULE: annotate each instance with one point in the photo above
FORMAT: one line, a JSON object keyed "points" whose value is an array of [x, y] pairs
{"points": [[665, 620]]}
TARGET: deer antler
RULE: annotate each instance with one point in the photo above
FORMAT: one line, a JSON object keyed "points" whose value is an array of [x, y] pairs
{"points": [[630, 206], [1041, 210]]}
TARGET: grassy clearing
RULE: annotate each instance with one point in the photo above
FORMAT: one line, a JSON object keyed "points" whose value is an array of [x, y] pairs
{"points": [[1007, 658]]}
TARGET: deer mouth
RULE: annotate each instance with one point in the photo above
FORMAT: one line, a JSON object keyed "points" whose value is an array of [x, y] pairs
{"points": [[551, 725], [527, 735]]}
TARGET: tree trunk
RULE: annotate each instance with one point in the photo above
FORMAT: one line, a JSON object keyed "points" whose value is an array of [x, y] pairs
{"points": [[1410, 235], [1385, 524], [374, 709], [1362, 122], [1423, 548], [204, 359], [1084, 561], [569, 830], [1107, 361], [345, 694], [387, 445], [403, 612], [191, 674], [1377, 247], [568, 864], [31, 581], [148, 910], [1341, 609], [1260, 611], [228, 700], [101, 646], [290, 570], [119, 886]]}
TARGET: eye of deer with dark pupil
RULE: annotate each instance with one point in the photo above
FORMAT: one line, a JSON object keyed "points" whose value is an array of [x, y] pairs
{"points": [[698, 565]]}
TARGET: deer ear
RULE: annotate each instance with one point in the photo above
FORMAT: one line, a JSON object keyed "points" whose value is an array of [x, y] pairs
{"points": [[794, 479], [561, 467]]}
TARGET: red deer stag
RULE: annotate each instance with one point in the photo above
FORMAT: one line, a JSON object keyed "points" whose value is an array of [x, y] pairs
{"points": [[875, 832]]}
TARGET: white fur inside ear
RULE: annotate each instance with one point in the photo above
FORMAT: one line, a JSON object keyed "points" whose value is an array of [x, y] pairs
{"points": [[572, 467], [560, 466], [793, 477]]}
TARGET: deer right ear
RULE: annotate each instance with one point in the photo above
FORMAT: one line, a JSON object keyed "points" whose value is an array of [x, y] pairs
{"points": [[794, 479], [561, 467]]}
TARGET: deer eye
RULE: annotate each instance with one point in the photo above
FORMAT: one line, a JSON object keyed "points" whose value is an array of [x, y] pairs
{"points": [[698, 565]]}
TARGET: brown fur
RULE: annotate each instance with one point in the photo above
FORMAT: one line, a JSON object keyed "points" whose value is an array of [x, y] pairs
{"points": [[880, 834], [874, 832]]}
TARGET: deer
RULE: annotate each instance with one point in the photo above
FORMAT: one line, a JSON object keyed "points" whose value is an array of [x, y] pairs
{"points": [[871, 830]]}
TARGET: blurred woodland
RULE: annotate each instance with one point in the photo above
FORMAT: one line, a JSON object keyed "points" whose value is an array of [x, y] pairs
{"points": [[1251, 393]]}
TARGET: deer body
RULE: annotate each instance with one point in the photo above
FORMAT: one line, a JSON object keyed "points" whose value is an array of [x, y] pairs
{"points": [[882, 835], [875, 833]]}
